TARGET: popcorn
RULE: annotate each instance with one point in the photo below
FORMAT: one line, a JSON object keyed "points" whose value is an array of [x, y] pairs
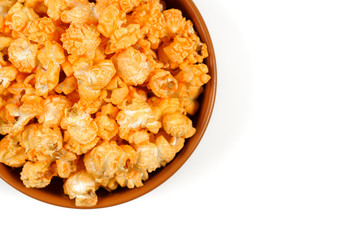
{"points": [[103, 161], [123, 38], [81, 127], [18, 17], [178, 125], [163, 84], [22, 54], [174, 21], [54, 110], [11, 152], [41, 141], [132, 66], [38, 174], [98, 94], [80, 14], [80, 39], [82, 187], [40, 30], [110, 18]]}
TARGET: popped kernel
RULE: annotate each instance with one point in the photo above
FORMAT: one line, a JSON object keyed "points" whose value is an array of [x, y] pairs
{"points": [[80, 39], [178, 125], [103, 161], [110, 18], [81, 127], [54, 110], [67, 86], [163, 84], [174, 21], [132, 66], [123, 38], [39, 140], [22, 54], [18, 17], [11, 152], [37, 174], [40, 30], [82, 187], [80, 14], [7, 74]]}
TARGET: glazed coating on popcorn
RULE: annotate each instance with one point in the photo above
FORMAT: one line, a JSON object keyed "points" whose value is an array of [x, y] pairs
{"points": [[97, 93]]}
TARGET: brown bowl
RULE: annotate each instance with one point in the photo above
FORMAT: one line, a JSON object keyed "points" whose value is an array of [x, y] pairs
{"points": [[54, 194]]}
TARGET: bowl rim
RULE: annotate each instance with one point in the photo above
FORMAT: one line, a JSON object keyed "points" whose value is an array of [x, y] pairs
{"points": [[167, 172]]}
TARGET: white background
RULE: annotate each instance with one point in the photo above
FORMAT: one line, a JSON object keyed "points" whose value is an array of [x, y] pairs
{"points": [[281, 156]]}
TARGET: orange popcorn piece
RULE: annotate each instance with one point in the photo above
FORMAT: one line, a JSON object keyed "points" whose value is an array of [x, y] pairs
{"points": [[103, 161], [178, 125], [108, 127], [179, 49], [54, 110], [11, 152], [136, 115], [110, 18], [5, 42], [52, 52], [81, 127], [7, 74], [73, 145], [67, 86], [123, 37], [80, 39], [18, 17], [22, 54], [128, 5], [38, 174], [132, 66], [56, 7], [46, 80], [32, 107], [40, 30], [82, 187], [174, 20], [115, 92], [65, 163], [41, 141], [163, 84], [80, 14], [151, 21], [98, 76]]}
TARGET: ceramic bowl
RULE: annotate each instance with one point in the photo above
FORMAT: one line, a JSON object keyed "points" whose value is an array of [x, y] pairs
{"points": [[53, 194]]}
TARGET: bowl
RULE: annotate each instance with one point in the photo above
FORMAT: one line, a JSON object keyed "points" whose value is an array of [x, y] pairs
{"points": [[54, 194]]}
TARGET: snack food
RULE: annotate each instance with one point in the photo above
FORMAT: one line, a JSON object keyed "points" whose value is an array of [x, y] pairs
{"points": [[106, 96]]}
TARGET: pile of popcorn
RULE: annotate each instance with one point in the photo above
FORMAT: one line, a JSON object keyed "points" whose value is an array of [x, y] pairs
{"points": [[98, 94]]}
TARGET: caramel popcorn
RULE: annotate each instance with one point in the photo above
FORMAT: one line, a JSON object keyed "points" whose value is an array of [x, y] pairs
{"points": [[97, 93]]}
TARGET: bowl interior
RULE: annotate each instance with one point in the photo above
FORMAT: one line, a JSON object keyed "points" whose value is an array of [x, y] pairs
{"points": [[54, 194]]}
